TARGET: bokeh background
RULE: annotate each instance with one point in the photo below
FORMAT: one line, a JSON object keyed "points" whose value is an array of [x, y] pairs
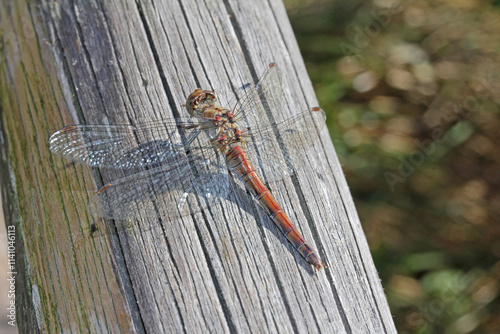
{"points": [[412, 94]]}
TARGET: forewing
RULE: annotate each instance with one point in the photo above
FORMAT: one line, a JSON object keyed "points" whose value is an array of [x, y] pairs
{"points": [[125, 146], [256, 105]]}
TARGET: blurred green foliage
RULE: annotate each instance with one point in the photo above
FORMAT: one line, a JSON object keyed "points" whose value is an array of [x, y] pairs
{"points": [[411, 89]]}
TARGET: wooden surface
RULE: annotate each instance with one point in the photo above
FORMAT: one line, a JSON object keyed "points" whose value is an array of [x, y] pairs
{"points": [[227, 269]]}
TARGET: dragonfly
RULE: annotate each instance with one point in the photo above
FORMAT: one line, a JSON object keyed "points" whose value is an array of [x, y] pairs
{"points": [[181, 166]]}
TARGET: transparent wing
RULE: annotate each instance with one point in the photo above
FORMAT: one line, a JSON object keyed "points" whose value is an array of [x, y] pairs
{"points": [[276, 148], [279, 149], [184, 187], [259, 101], [126, 146]]}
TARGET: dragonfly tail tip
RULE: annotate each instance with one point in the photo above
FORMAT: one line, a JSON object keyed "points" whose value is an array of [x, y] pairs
{"points": [[320, 265]]}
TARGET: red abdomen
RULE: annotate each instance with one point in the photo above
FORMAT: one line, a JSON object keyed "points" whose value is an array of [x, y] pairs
{"points": [[237, 160]]}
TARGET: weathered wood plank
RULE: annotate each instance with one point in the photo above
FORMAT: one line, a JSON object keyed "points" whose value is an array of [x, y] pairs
{"points": [[226, 269], [63, 281]]}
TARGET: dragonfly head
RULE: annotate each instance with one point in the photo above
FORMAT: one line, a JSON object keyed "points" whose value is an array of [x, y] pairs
{"points": [[199, 100]]}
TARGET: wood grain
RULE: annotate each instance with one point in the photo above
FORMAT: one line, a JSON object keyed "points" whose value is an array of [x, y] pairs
{"points": [[226, 269]]}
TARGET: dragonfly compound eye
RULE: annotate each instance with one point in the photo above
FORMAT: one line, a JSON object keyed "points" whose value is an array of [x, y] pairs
{"points": [[199, 100], [192, 101], [210, 96]]}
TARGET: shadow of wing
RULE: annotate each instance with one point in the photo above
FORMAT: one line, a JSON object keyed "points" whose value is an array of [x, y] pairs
{"points": [[185, 187]]}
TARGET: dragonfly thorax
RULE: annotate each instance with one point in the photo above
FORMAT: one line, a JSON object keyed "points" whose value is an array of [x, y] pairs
{"points": [[203, 104], [227, 132]]}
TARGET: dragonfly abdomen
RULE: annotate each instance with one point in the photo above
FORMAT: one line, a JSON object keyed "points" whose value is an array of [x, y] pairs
{"points": [[237, 160]]}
